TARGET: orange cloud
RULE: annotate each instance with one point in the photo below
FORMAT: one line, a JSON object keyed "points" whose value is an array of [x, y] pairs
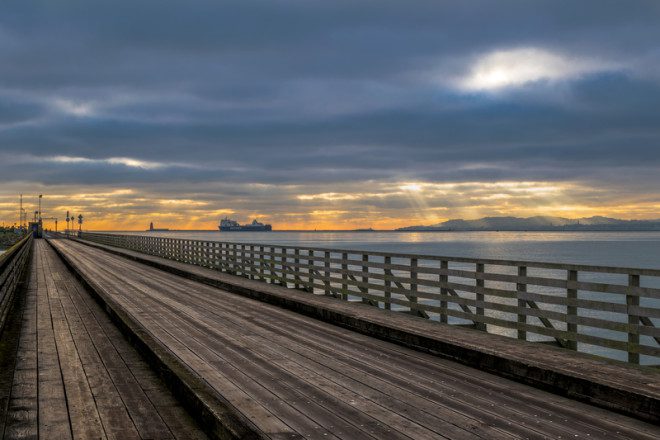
{"points": [[380, 205]]}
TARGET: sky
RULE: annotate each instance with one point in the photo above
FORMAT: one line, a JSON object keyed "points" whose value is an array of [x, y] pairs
{"points": [[328, 114]]}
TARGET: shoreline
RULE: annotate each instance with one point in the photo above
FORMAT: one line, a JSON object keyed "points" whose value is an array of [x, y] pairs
{"points": [[384, 230], [8, 239]]}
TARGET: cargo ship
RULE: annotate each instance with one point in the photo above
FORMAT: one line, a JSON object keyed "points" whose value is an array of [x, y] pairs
{"points": [[228, 225]]}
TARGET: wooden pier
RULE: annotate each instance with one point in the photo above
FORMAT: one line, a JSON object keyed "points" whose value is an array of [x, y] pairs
{"points": [[74, 375], [121, 342], [525, 299]]}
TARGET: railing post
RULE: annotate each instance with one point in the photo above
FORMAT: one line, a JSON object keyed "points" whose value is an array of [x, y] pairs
{"points": [[444, 279], [522, 304], [480, 297], [365, 277], [344, 277], [388, 283], [271, 265], [571, 311], [261, 263], [413, 286], [284, 281], [633, 321], [234, 259], [253, 267], [296, 268], [326, 277], [310, 271], [221, 257], [243, 262]]}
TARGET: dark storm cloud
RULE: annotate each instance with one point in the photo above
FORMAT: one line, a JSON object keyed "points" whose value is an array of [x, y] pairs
{"points": [[294, 92]]}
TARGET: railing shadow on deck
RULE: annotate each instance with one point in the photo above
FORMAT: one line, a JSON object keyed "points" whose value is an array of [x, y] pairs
{"points": [[609, 311]]}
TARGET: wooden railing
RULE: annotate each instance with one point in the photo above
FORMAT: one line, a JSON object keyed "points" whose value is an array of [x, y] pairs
{"points": [[12, 266], [608, 311]]}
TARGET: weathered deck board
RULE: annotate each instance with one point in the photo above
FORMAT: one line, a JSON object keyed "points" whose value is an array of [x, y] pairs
{"points": [[21, 417], [608, 384], [75, 375], [314, 378]]}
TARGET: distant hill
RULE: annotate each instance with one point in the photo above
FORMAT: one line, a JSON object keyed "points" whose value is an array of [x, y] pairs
{"points": [[540, 223]]}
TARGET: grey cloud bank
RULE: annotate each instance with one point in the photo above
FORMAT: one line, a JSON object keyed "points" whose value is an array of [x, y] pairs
{"points": [[315, 93]]}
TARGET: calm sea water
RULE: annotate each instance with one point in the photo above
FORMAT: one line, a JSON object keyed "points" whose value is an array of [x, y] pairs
{"points": [[629, 249], [623, 249]]}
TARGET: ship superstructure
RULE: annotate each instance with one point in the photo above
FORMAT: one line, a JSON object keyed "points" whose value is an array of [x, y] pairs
{"points": [[229, 225]]}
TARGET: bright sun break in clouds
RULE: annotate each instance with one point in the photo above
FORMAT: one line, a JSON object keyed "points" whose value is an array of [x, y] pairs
{"points": [[73, 108], [516, 67]]}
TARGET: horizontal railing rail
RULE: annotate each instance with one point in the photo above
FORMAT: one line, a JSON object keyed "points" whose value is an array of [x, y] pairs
{"points": [[609, 311], [12, 266]]}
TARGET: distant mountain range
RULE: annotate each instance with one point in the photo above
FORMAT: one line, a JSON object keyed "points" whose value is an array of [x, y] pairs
{"points": [[540, 223]]}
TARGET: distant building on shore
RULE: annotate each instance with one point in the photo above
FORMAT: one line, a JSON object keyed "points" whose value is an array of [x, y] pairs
{"points": [[152, 229]]}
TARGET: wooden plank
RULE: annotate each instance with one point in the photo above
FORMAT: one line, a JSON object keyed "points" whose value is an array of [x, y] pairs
{"points": [[125, 408], [224, 345], [22, 411], [264, 381], [437, 375], [272, 354], [229, 390], [53, 411], [188, 292], [55, 393], [183, 296], [198, 349], [83, 414]]}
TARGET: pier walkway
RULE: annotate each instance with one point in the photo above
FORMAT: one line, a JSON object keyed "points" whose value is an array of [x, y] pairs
{"points": [[263, 371], [73, 374]]}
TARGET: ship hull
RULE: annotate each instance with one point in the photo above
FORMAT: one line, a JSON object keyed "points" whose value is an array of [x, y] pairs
{"points": [[245, 228]]}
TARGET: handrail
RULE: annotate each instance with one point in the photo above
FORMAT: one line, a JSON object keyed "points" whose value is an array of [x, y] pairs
{"points": [[12, 266], [535, 264], [575, 306], [9, 253]]}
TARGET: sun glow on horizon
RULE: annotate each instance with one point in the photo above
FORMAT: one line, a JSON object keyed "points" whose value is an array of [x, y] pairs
{"points": [[379, 205]]}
